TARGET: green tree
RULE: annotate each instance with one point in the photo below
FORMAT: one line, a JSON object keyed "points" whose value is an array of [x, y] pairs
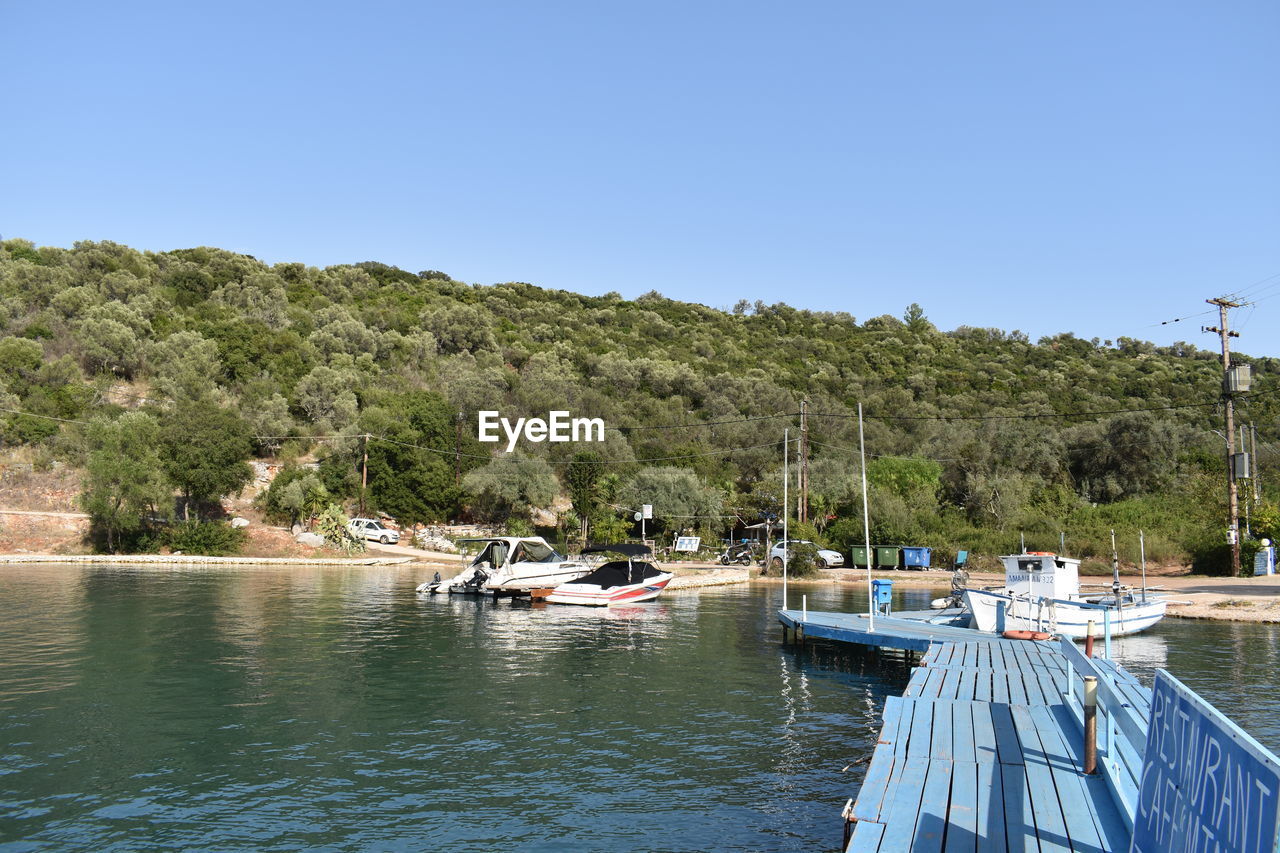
{"points": [[510, 485], [204, 449], [124, 484], [583, 478], [412, 456]]}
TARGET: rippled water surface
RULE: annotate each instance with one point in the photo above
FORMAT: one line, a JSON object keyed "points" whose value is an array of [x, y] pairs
{"points": [[290, 709]]}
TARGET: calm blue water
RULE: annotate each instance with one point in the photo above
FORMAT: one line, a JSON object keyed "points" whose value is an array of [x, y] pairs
{"points": [[332, 709]]}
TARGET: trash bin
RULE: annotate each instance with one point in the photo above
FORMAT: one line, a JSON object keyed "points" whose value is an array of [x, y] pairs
{"points": [[916, 558], [858, 555], [882, 592], [887, 556]]}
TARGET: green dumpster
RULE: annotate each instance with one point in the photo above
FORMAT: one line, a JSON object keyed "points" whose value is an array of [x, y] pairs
{"points": [[887, 556], [859, 555]]}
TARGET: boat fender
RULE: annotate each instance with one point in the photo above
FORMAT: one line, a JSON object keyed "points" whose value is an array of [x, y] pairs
{"points": [[1026, 635]]}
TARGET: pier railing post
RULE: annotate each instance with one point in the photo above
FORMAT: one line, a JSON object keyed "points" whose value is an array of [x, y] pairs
{"points": [[1090, 630], [1090, 725]]}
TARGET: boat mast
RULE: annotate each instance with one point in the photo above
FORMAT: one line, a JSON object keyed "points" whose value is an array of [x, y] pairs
{"points": [[1115, 568], [1142, 554], [866, 522]]}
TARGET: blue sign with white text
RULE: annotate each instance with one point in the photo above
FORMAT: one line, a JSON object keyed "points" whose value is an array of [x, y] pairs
{"points": [[1206, 785]]}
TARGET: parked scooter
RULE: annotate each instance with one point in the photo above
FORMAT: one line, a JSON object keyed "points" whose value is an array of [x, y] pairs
{"points": [[740, 554]]}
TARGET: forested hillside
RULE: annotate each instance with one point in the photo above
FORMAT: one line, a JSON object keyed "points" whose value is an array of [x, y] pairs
{"points": [[162, 373]]}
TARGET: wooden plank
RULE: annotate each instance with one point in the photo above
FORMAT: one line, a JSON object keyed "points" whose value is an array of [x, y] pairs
{"points": [[1071, 791], [866, 837], [968, 685], [921, 729], [1047, 809], [1000, 687], [931, 824], [1013, 683], [962, 740], [943, 748], [1095, 794], [902, 735], [903, 807], [875, 785], [1019, 819], [982, 691], [891, 716], [984, 735], [962, 813], [1008, 748], [991, 817], [1025, 679], [950, 684]]}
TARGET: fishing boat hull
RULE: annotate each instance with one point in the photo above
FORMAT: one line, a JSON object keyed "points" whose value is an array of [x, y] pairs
{"points": [[594, 595], [996, 612]]}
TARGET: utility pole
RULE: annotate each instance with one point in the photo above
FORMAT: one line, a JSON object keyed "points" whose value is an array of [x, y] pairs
{"points": [[1233, 502], [802, 508], [457, 452], [1253, 455], [364, 472]]}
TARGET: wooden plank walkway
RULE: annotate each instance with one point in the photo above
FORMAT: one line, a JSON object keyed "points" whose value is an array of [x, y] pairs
{"points": [[891, 632], [980, 753]]}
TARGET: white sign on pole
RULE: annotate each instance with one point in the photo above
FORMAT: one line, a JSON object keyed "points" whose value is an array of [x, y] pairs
{"points": [[646, 511]]}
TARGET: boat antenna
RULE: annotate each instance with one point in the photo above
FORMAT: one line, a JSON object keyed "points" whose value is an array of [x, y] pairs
{"points": [[1115, 568], [866, 521], [1142, 552], [1022, 537]]}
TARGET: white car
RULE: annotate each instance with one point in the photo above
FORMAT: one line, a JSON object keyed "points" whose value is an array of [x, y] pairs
{"points": [[824, 559], [371, 528]]}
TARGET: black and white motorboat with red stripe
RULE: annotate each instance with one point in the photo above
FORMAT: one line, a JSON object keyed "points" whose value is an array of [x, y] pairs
{"points": [[617, 581]]}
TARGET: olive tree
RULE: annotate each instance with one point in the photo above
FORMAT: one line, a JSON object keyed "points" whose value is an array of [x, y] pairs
{"points": [[124, 483]]}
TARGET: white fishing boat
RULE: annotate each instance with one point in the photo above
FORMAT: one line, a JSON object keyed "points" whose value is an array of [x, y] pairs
{"points": [[1042, 594], [510, 564], [616, 582]]}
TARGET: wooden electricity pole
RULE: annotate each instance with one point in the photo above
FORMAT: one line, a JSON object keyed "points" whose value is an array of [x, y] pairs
{"points": [[802, 508], [1233, 497], [364, 471], [457, 451]]}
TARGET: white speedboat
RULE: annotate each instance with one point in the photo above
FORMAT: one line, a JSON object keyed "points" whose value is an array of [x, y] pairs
{"points": [[510, 564], [1042, 593], [616, 582]]}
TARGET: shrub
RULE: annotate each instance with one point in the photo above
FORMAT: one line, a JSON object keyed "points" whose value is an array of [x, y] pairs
{"points": [[802, 562], [208, 538]]}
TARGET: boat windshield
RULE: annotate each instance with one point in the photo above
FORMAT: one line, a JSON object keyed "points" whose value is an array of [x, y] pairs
{"points": [[620, 573], [534, 552], [494, 554]]}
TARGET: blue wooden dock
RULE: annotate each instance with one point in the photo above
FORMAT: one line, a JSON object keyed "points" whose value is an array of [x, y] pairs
{"points": [[982, 753], [889, 632], [984, 749]]}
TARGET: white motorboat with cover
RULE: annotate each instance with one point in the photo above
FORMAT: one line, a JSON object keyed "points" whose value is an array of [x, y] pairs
{"points": [[617, 581], [1042, 593], [510, 564]]}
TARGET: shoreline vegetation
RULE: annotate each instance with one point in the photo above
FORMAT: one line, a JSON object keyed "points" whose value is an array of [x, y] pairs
{"points": [[151, 389], [1200, 597]]}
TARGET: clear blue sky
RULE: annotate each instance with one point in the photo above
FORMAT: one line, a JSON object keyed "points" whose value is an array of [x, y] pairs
{"points": [[1093, 167]]}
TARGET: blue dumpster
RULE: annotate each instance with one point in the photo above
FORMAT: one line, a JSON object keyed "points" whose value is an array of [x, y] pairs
{"points": [[916, 558], [882, 592]]}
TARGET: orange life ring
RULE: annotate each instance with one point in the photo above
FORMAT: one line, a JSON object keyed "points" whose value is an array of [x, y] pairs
{"points": [[1040, 554], [1026, 635]]}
